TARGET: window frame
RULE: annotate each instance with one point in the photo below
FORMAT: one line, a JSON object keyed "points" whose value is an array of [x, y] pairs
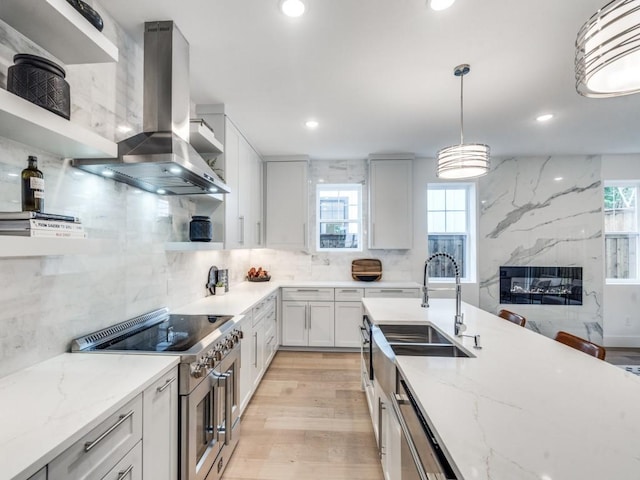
{"points": [[631, 233], [352, 187], [470, 233]]}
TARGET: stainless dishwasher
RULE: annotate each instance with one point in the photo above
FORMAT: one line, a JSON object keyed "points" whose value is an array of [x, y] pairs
{"points": [[421, 454]]}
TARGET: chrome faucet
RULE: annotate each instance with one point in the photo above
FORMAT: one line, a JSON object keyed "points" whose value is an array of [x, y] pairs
{"points": [[459, 325]]}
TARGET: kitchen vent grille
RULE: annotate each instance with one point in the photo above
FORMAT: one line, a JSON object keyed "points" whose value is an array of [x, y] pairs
{"points": [[88, 342]]}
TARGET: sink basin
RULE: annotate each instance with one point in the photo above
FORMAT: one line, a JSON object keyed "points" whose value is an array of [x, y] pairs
{"points": [[427, 350], [413, 334]]}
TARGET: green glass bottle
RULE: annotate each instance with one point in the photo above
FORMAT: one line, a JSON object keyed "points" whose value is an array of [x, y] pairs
{"points": [[32, 187]]}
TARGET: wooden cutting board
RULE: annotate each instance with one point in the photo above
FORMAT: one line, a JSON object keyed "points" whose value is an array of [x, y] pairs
{"points": [[366, 269]]}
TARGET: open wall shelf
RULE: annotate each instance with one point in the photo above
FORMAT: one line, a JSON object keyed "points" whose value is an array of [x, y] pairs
{"points": [[40, 247]]}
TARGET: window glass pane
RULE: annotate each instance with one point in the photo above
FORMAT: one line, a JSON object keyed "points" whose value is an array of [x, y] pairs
{"points": [[454, 245], [456, 199], [339, 217], [456, 221], [436, 199], [436, 222]]}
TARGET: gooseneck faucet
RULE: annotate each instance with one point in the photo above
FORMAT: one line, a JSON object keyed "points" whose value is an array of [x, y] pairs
{"points": [[459, 325]]}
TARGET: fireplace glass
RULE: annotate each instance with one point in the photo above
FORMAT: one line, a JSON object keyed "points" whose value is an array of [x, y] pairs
{"points": [[541, 285]]}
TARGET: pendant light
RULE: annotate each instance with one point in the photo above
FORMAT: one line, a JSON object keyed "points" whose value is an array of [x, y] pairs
{"points": [[607, 59], [466, 160]]}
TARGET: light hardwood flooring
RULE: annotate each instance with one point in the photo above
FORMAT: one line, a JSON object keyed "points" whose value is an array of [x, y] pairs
{"points": [[308, 420]]}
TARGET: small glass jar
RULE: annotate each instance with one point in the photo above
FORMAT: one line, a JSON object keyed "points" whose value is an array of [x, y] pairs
{"points": [[200, 229]]}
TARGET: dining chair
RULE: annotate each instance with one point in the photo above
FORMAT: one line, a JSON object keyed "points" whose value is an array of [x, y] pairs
{"points": [[581, 344], [512, 317]]}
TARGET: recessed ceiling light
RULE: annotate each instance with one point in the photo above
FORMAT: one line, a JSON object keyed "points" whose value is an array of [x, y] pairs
{"points": [[292, 8], [544, 118], [213, 189], [161, 191], [107, 173], [311, 124], [557, 179], [438, 5], [175, 169]]}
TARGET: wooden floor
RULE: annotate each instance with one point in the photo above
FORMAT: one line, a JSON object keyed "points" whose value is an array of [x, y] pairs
{"points": [[308, 420]]}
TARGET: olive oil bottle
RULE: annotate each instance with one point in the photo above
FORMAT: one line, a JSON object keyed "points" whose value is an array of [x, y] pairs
{"points": [[32, 187]]}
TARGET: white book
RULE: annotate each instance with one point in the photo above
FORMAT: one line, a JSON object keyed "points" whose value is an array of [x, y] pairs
{"points": [[53, 225], [43, 233], [40, 215]]}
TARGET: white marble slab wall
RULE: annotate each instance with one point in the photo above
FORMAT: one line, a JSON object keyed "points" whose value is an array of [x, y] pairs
{"points": [[47, 301], [544, 211]]}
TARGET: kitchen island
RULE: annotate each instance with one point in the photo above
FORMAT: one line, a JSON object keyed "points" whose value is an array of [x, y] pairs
{"points": [[525, 407]]}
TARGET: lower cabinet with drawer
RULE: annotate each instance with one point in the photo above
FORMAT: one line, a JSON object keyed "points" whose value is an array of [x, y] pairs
{"points": [[130, 467], [40, 475], [308, 317], [96, 454], [392, 293]]}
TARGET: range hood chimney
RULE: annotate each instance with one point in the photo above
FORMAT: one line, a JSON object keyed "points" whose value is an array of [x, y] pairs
{"points": [[160, 159]]}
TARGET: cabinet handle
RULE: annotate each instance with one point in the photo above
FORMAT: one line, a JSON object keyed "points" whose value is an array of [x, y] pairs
{"points": [[381, 407], [304, 235], [124, 473], [166, 385], [373, 234], [123, 418], [391, 290], [345, 290], [259, 233], [309, 306], [241, 219], [307, 289], [255, 349]]}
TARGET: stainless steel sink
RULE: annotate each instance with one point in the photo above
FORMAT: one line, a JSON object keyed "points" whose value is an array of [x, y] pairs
{"points": [[413, 334], [427, 350]]}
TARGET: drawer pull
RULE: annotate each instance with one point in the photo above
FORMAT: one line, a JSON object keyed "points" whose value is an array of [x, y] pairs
{"points": [[123, 418], [122, 475], [166, 385], [344, 290], [307, 290]]}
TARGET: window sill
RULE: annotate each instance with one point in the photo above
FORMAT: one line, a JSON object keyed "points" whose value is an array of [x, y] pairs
{"points": [[630, 281]]}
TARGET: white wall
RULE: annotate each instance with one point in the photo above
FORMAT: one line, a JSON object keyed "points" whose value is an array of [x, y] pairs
{"points": [[620, 302]]}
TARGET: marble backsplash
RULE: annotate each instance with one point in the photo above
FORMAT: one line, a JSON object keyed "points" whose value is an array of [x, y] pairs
{"points": [[544, 211]]}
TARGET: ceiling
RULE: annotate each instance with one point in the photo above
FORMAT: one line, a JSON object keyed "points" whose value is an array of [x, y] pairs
{"points": [[378, 75]]}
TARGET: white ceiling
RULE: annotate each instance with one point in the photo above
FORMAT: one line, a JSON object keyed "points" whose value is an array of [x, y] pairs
{"points": [[378, 74]]}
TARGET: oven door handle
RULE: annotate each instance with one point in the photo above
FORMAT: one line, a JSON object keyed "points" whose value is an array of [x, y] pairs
{"points": [[223, 382]]}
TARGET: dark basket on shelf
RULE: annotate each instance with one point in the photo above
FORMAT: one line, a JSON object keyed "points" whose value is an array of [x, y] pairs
{"points": [[41, 82]]}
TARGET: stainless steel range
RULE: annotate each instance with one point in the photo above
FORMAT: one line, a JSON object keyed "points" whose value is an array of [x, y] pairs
{"points": [[209, 379]]}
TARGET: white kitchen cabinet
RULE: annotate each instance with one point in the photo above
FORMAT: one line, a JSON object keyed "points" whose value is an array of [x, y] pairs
{"points": [[388, 438], [246, 360], [308, 324], [348, 318], [257, 363], [287, 204], [242, 212], [160, 429], [97, 452], [390, 203], [130, 467]]}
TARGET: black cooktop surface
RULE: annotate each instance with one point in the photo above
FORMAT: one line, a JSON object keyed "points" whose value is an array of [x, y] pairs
{"points": [[177, 333]]}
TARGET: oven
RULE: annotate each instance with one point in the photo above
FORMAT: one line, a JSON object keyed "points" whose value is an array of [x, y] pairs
{"points": [[209, 420], [208, 379]]}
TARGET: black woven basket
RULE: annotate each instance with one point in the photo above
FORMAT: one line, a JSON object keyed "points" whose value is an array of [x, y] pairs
{"points": [[41, 82]]}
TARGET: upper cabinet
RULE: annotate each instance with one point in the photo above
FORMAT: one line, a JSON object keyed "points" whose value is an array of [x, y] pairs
{"points": [[287, 204], [243, 225], [390, 203], [60, 29]]}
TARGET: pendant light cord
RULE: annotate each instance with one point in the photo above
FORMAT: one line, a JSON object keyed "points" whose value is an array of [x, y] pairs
{"points": [[461, 110]]}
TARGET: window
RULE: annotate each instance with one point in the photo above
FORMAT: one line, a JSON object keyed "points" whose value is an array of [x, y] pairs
{"points": [[451, 229], [339, 217], [621, 231]]}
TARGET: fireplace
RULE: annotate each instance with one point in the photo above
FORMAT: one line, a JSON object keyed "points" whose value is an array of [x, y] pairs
{"points": [[541, 285]]}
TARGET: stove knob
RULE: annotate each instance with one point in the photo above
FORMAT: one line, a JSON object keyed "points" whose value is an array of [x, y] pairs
{"points": [[210, 360], [240, 334], [198, 371], [218, 355], [228, 343]]}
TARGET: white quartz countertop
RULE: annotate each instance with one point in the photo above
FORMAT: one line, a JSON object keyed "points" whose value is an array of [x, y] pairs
{"points": [[47, 407], [242, 296], [526, 407]]}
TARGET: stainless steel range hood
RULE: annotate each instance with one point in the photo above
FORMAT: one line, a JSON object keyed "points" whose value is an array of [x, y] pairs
{"points": [[161, 160]]}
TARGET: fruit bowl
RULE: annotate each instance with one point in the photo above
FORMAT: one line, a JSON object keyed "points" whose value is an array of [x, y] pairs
{"points": [[259, 279]]}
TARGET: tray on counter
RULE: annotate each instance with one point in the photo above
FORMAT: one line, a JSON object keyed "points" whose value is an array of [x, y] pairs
{"points": [[366, 269]]}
